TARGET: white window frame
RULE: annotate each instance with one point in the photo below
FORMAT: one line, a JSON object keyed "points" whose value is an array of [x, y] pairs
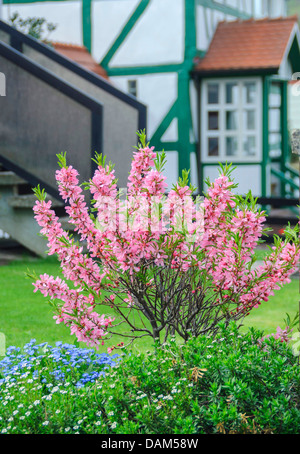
{"points": [[222, 133]]}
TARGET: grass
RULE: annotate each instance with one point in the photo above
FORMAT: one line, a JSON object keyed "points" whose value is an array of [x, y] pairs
{"points": [[25, 315]]}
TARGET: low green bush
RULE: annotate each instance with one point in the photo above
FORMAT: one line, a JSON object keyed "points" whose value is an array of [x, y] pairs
{"points": [[232, 383]]}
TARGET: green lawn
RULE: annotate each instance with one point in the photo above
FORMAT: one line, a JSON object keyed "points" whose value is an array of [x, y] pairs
{"points": [[25, 315]]}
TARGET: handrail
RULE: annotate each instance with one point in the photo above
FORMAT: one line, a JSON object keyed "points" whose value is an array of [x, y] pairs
{"points": [[68, 90], [284, 179], [291, 169], [17, 39]]}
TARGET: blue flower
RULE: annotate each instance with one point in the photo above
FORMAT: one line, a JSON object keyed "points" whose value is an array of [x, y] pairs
{"points": [[81, 366]]}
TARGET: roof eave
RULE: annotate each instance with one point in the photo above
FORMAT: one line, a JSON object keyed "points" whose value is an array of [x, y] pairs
{"points": [[201, 74]]}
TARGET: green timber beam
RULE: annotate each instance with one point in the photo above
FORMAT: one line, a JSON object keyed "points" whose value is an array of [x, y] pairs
{"points": [[222, 8], [142, 70], [265, 119], [87, 24], [181, 108], [184, 113], [140, 9]]}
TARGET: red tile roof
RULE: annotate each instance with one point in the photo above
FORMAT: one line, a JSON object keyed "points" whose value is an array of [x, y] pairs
{"points": [[248, 45], [81, 56]]}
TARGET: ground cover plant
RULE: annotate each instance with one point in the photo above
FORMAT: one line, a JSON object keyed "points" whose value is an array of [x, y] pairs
{"points": [[182, 265], [41, 383], [229, 383]]}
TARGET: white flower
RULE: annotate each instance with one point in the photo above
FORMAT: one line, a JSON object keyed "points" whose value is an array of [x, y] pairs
{"points": [[36, 402], [45, 423], [114, 425]]}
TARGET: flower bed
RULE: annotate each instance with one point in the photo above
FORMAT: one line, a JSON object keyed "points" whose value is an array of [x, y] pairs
{"points": [[230, 383]]}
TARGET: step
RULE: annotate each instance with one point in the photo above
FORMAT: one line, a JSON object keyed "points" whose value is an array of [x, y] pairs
{"points": [[66, 225], [8, 178], [28, 201]]}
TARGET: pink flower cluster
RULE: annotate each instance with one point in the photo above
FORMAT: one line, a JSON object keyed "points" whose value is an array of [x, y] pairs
{"points": [[283, 335], [77, 312], [152, 231]]}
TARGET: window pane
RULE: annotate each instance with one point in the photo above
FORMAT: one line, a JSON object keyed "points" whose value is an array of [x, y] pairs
{"points": [[275, 95], [250, 92], [249, 119], [231, 146], [250, 146], [274, 120], [275, 145], [231, 93], [231, 120], [213, 120], [213, 93], [213, 146], [132, 87]]}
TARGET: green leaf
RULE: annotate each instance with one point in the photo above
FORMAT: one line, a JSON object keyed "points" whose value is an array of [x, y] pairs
{"points": [[40, 194]]}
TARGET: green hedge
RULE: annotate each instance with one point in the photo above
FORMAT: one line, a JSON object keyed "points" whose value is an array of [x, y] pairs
{"points": [[231, 384]]}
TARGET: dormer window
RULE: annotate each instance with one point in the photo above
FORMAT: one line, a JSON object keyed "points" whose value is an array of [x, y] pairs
{"points": [[231, 122]]}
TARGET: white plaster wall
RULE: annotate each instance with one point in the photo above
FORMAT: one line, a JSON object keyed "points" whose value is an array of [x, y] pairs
{"points": [[194, 171], [202, 31], [157, 91], [171, 169], [108, 19], [294, 106], [65, 14], [156, 38], [171, 134], [248, 177]]}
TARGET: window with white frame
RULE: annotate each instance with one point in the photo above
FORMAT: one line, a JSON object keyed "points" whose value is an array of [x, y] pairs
{"points": [[132, 87], [231, 120]]}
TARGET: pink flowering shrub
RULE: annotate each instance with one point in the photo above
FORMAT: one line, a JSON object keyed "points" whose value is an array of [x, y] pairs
{"points": [[164, 265]]}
